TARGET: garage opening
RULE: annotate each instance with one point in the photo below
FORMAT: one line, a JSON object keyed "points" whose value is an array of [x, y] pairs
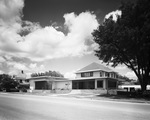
{"points": [[43, 85]]}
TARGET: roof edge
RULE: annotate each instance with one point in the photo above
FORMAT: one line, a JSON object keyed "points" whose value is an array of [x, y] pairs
{"points": [[95, 70]]}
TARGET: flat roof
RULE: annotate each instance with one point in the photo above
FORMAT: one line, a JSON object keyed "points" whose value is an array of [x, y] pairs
{"points": [[49, 77]]}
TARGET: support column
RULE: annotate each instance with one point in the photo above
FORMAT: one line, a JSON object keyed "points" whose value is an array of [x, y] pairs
{"points": [[95, 84], [105, 83]]}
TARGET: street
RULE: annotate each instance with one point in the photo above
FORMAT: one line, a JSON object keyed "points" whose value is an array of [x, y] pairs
{"points": [[30, 107]]}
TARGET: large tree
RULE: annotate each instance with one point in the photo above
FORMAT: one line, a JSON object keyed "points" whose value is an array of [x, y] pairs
{"points": [[7, 82], [127, 40]]}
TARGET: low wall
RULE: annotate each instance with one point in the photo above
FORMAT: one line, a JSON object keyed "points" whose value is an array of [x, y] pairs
{"points": [[51, 91], [85, 91]]}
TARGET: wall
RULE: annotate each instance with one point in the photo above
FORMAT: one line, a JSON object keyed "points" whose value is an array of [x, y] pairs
{"points": [[97, 74], [63, 85], [32, 85], [78, 75], [55, 84]]}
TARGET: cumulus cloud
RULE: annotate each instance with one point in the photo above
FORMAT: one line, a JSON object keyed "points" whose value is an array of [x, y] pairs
{"points": [[25, 39], [16, 67], [10, 11], [1, 72], [131, 75], [2, 59], [51, 43], [33, 67], [20, 38], [70, 75], [114, 14]]}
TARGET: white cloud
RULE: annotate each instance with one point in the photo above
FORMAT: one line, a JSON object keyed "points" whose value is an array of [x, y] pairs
{"points": [[70, 75], [120, 67], [131, 75], [25, 39], [10, 11], [1, 72], [17, 65], [48, 42], [33, 67], [2, 59], [114, 14], [51, 43]]}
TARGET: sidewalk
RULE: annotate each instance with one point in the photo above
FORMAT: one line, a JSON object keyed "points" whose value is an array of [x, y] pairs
{"points": [[115, 98]]}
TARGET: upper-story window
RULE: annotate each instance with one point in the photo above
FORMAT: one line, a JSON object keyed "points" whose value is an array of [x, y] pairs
{"points": [[106, 74], [87, 74], [112, 75], [101, 73]]}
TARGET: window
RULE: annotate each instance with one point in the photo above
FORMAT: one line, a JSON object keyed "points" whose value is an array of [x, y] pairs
{"points": [[26, 80], [106, 74], [101, 74], [87, 74], [100, 84], [112, 75]]}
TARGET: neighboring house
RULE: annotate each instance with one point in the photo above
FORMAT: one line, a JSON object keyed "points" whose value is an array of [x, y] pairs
{"points": [[21, 78], [49, 83], [95, 76]]}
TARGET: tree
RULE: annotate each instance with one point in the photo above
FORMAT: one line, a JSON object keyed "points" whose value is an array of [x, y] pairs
{"points": [[7, 82], [127, 40], [49, 73]]}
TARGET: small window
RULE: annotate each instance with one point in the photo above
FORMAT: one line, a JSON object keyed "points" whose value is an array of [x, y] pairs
{"points": [[101, 74], [26, 80], [100, 84], [106, 74], [112, 75]]}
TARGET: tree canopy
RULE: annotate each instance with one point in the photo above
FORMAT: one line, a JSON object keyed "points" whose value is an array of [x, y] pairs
{"points": [[7, 82], [48, 73], [127, 40]]}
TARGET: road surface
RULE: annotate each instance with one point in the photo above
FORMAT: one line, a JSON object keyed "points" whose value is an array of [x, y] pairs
{"points": [[29, 107]]}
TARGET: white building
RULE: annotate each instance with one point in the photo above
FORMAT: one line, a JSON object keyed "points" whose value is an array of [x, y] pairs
{"points": [[95, 76], [49, 83]]}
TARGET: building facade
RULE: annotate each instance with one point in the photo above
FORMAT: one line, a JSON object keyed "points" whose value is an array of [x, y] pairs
{"points": [[22, 80], [49, 83], [95, 76]]}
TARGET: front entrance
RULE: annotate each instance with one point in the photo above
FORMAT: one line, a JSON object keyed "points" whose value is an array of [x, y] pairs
{"points": [[82, 84]]}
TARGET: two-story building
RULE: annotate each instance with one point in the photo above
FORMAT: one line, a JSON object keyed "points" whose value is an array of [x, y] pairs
{"points": [[21, 77], [95, 76]]}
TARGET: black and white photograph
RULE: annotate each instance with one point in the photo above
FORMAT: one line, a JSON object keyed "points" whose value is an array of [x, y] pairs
{"points": [[74, 59]]}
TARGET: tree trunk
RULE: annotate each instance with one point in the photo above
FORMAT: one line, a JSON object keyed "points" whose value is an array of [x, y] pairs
{"points": [[143, 87], [143, 84]]}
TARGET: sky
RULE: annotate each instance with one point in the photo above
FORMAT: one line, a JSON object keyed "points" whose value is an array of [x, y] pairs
{"points": [[42, 35]]}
